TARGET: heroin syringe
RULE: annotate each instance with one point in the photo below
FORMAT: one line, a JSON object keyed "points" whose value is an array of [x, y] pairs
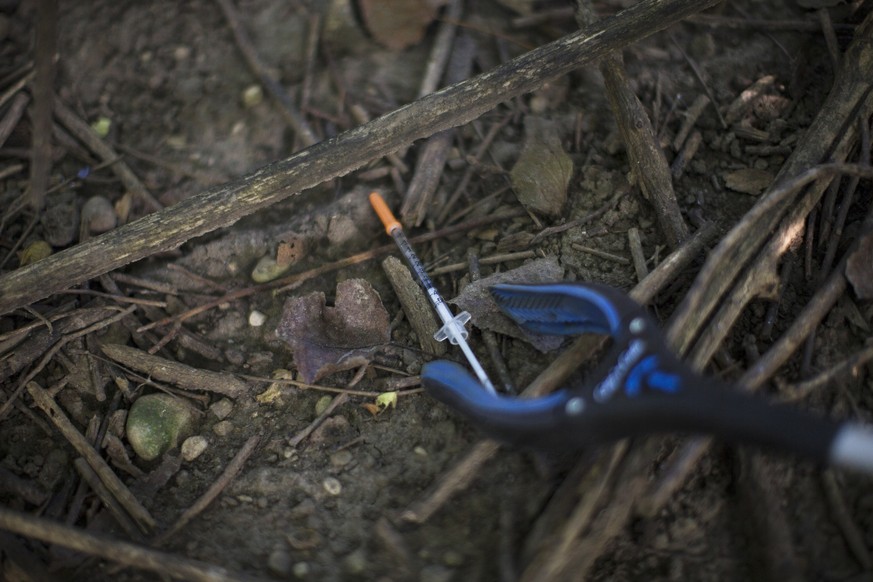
{"points": [[453, 325]]}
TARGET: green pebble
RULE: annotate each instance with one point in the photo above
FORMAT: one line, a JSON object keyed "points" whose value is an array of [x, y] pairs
{"points": [[157, 423], [322, 404]]}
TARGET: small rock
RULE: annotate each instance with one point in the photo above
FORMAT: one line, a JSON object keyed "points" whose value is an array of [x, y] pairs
{"points": [[156, 423], [356, 562], [182, 53], [341, 458], [342, 229], [280, 562], [60, 222], [435, 573], [301, 569], [34, 252], [253, 95], [222, 428], [256, 318], [193, 447], [332, 486], [322, 404], [453, 558], [98, 215], [267, 269], [222, 408]]}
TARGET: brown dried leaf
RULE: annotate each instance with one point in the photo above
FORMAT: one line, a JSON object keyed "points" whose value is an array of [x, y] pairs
{"points": [[543, 171], [292, 248], [476, 299], [859, 268], [748, 180], [325, 339], [397, 24]]}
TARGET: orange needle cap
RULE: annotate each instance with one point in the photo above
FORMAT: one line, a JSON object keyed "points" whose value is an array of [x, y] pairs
{"points": [[384, 213]]}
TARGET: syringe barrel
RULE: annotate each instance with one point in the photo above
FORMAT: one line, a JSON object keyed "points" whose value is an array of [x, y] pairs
{"points": [[416, 266]]}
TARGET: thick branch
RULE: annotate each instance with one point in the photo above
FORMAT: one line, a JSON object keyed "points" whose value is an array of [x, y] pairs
{"points": [[450, 107]]}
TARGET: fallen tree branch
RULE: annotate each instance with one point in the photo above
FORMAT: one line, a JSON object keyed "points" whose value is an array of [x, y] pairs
{"points": [[453, 106]]}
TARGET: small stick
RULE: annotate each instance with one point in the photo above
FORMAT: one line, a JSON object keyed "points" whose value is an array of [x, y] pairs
{"points": [[312, 37], [158, 286], [490, 260], [107, 498], [227, 476], [636, 249], [406, 382], [117, 298], [176, 373], [454, 480], [118, 489], [552, 230], [691, 116], [415, 305], [471, 168], [337, 401], [12, 116], [686, 155], [43, 96], [698, 74], [442, 49], [827, 30], [717, 21], [433, 154], [601, 254], [108, 548], [644, 153], [803, 389]]}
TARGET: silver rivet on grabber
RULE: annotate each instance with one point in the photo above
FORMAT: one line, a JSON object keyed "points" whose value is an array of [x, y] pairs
{"points": [[574, 406], [636, 325]]}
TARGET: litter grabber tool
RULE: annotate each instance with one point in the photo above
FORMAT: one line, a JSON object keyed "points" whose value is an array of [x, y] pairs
{"points": [[453, 325], [640, 387]]}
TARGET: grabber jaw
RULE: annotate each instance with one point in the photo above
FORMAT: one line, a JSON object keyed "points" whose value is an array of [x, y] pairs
{"points": [[565, 308]]}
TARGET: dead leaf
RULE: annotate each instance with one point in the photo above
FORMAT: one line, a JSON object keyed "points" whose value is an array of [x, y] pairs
{"points": [[748, 180], [476, 299], [543, 171], [292, 248], [859, 268], [397, 24], [373, 409], [325, 339]]}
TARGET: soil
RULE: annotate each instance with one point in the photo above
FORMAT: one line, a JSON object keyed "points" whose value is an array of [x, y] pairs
{"points": [[186, 113]]}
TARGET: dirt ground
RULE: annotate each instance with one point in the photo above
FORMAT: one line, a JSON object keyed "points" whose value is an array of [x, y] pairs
{"points": [[185, 112]]}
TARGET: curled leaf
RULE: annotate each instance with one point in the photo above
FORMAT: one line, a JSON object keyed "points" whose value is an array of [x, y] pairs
{"points": [[387, 400]]}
